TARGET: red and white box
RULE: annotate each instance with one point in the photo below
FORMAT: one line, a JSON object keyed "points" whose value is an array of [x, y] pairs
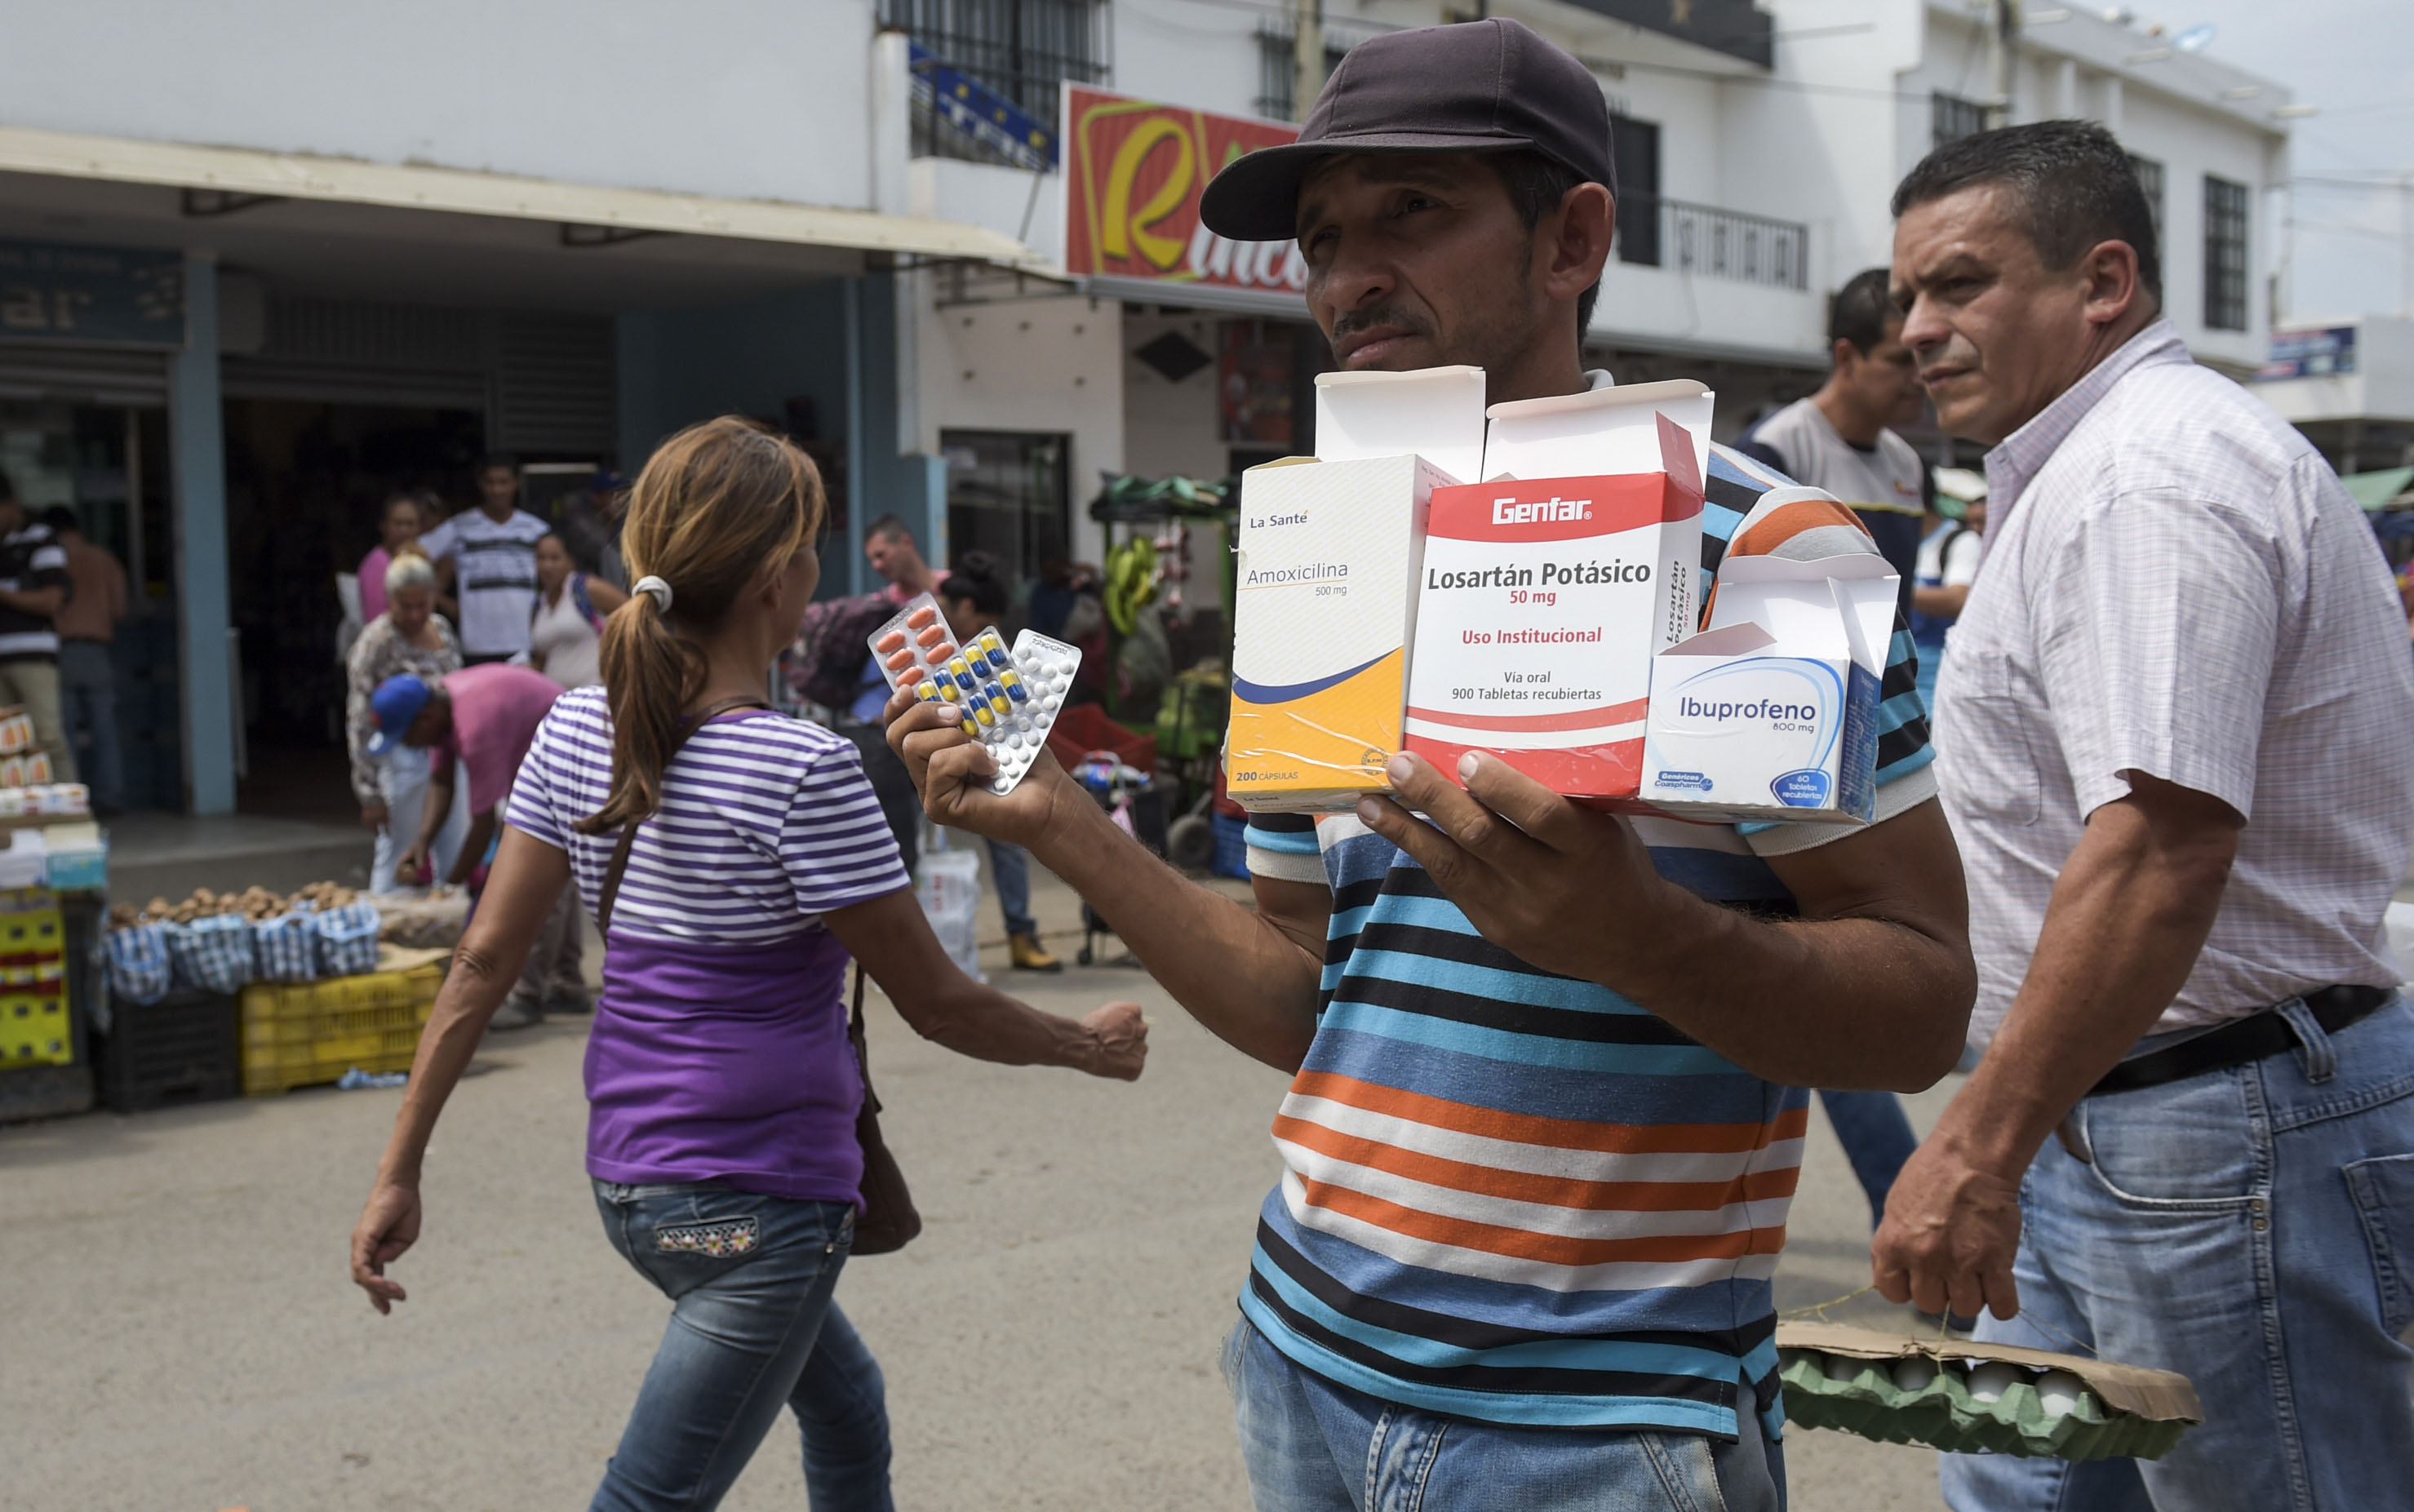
{"points": [[1546, 592]]}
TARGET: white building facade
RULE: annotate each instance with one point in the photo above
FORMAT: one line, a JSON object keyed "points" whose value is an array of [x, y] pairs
{"points": [[261, 261]]}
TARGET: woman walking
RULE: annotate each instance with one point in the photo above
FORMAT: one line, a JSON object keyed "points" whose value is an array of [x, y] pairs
{"points": [[398, 526], [565, 631], [751, 862], [409, 636]]}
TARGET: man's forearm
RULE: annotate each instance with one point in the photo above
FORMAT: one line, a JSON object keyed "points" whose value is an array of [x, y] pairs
{"points": [[1846, 1004], [2128, 917], [473, 847], [1251, 984]]}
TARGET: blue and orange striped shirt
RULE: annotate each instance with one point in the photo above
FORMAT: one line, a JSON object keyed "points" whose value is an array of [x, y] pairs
{"points": [[1520, 1197]]}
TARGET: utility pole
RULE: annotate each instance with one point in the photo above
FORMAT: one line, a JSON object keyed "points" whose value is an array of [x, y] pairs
{"points": [[1307, 55], [2004, 27]]}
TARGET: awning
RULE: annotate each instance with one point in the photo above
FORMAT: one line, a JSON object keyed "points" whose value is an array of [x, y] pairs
{"points": [[2374, 490], [458, 191]]}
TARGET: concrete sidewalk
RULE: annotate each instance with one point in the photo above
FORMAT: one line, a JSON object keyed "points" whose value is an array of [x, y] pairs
{"points": [[181, 1336]]}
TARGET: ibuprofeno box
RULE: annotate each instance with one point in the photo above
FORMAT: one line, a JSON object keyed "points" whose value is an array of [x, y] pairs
{"points": [[1772, 712], [1546, 592], [1329, 550]]}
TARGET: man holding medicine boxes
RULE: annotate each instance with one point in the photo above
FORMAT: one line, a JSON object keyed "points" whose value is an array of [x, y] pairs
{"points": [[2174, 736], [1545, 1119]]}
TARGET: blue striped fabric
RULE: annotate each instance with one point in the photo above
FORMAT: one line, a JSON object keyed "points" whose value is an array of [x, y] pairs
{"points": [[766, 822], [1522, 1198]]}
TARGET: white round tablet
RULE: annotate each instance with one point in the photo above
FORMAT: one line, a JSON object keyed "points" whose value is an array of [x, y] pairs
{"points": [[2061, 1391], [1990, 1379]]}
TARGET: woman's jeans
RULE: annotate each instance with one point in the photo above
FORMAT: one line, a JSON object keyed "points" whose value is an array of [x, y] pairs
{"points": [[1313, 1446], [402, 782], [753, 1327], [2252, 1229]]}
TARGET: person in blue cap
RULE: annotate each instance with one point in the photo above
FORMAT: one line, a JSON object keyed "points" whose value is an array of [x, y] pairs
{"points": [[477, 724]]}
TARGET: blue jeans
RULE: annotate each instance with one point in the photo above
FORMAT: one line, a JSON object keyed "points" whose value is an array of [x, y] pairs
{"points": [[1011, 865], [88, 709], [1877, 1139], [1311, 1446], [753, 1327], [2253, 1229]]}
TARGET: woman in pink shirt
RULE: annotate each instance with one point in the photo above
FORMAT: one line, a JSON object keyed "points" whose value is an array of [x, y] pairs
{"points": [[397, 527]]}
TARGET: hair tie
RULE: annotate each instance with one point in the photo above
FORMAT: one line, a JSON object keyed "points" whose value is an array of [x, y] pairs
{"points": [[660, 589]]}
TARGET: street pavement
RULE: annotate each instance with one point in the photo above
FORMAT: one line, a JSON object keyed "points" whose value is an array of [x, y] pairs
{"points": [[177, 1333]]}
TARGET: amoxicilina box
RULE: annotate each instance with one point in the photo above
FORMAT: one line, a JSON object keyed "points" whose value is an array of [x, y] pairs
{"points": [[1547, 591], [1329, 548], [1772, 712]]}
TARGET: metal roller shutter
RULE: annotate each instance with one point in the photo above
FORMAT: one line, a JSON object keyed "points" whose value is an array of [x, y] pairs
{"points": [[94, 375]]}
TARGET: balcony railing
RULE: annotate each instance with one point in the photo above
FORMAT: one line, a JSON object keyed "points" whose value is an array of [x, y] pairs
{"points": [[1714, 243]]}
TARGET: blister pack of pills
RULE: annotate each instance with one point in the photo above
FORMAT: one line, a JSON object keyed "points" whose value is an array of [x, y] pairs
{"points": [[1006, 700]]}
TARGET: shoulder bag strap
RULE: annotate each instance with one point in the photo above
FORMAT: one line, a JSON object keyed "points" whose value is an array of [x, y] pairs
{"points": [[619, 866]]}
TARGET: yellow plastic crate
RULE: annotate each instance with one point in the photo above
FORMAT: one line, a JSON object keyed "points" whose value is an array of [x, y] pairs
{"points": [[303, 1033], [34, 1031]]}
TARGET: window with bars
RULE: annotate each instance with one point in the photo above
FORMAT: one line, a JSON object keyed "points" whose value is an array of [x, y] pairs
{"points": [[1278, 70], [1950, 118], [2225, 254], [1022, 50], [2150, 181]]}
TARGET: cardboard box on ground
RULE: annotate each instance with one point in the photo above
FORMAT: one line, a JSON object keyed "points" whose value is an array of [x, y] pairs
{"points": [[1385, 604]]}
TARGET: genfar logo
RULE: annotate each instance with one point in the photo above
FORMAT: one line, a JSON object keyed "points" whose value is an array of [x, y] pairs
{"points": [[1555, 510], [1134, 172]]}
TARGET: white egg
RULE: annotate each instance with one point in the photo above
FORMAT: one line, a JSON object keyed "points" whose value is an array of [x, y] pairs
{"points": [[2061, 1391], [1917, 1373], [1990, 1379], [1845, 1368]]}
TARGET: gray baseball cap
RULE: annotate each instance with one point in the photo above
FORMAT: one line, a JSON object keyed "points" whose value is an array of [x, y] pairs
{"points": [[1478, 86]]}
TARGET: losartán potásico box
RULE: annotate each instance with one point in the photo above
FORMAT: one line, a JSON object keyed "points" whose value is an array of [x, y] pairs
{"points": [[1547, 592], [1329, 553]]}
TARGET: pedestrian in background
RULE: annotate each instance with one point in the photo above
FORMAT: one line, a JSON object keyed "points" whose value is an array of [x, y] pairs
{"points": [[565, 635], [34, 586], [488, 557], [475, 726], [974, 600], [399, 530], [87, 624], [746, 863], [1839, 440], [2173, 744], [588, 524], [409, 637], [889, 547], [1948, 565]]}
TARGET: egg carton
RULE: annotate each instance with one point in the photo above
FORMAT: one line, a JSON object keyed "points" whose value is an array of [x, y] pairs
{"points": [[1007, 699], [1966, 1405]]}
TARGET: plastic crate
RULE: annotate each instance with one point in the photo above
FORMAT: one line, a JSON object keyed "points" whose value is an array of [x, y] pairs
{"points": [[309, 1033], [34, 1029], [181, 1049]]}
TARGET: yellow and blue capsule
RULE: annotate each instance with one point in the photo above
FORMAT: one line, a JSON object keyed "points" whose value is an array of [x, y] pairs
{"points": [[947, 688], [994, 649], [981, 712], [1013, 686]]}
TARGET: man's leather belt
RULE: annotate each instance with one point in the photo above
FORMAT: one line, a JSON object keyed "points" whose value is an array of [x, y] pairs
{"points": [[2235, 1043]]}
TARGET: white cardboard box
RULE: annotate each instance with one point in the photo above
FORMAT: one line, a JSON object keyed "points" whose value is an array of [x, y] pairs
{"points": [[1771, 713], [1329, 549], [1547, 590]]}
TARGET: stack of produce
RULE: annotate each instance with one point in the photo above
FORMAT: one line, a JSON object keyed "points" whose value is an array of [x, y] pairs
{"points": [[255, 903], [214, 942]]}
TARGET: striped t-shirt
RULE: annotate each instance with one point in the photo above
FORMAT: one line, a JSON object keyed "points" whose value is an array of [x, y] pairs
{"points": [[494, 566], [766, 821], [720, 1051], [1520, 1197]]}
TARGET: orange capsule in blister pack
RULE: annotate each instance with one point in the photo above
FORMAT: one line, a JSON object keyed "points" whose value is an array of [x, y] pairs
{"points": [[932, 637], [909, 676], [893, 641], [919, 618], [902, 660]]}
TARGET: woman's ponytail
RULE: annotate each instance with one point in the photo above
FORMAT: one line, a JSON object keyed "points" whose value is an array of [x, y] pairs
{"points": [[716, 506], [649, 673]]}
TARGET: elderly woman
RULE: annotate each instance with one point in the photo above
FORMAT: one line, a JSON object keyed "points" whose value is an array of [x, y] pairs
{"points": [[409, 637]]}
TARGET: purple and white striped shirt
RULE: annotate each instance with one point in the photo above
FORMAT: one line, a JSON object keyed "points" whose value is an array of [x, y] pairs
{"points": [[720, 1051], [766, 823]]}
